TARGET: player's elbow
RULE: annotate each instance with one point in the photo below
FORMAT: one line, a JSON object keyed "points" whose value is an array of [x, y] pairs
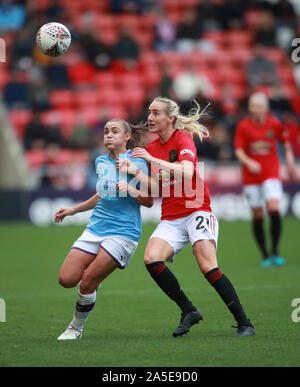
{"points": [[238, 153], [148, 202], [188, 173]]}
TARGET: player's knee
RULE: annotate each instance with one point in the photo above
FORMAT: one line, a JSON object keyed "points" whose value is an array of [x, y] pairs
{"points": [[66, 281], [206, 268], [88, 284], [150, 258], [257, 214]]}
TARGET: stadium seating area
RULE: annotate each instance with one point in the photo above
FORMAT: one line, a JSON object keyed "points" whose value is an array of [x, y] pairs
{"points": [[125, 52]]}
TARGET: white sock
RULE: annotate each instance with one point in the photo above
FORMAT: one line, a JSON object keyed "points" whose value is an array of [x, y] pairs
{"points": [[85, 304]]}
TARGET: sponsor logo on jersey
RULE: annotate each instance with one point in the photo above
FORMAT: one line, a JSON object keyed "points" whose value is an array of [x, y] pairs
{"points": [[187, 151]]}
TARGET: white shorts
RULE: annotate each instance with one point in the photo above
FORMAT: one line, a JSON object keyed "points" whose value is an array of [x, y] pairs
{"points": [[190, 229], [120, 249], [258, 194]]}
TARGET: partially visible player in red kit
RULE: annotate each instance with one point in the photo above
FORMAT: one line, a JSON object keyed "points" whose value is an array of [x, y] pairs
{"points": [[256, 147], [186, 211]]}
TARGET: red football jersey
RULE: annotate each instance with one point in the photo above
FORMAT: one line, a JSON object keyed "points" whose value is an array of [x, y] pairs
{"points": [[259, 143], [179, 197]]}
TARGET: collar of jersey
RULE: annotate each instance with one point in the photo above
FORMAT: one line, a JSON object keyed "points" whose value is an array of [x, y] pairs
{"points": [[127, 153]]}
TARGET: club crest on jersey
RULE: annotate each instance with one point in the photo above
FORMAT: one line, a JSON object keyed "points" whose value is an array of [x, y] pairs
{"points": [[173, 156], [270, 134]]}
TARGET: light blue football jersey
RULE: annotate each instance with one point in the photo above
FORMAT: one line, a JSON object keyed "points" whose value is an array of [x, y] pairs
{"points": [[116, 213]]}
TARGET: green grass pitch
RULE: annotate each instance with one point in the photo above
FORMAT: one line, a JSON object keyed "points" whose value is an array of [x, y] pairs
{"points": [[132, 322]]}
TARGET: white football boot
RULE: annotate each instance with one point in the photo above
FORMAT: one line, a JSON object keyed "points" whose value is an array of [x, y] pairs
{"points": [[70, 334]]}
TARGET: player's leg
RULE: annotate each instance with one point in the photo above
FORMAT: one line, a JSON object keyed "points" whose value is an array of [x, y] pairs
{"points": [[255, 200], [203, 230], [74, 266], [156, 253], [273, 192], [158, 250], [205, 252], [259, 234], [101, 267]]}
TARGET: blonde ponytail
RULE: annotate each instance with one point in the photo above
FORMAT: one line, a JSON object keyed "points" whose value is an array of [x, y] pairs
{"points": [[189, 124]]}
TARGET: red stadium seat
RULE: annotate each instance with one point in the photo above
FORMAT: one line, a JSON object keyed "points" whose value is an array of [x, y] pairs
{"points": [[81, 156], [150, 58], [153, 77], [111, 96], [104, 79], [86, 98], [134, 97], [129, 21], [219, 59], [238, 38], [105, 22], [172, 57], [19, 119], [240, 56], [144, 39], [62, 157], [81, 73], [217, 37], [4, 78], [130, 80], [286, 74], [35, 158], [118, 111], [230, 75], [61, 99], [109, 37], [90, 115], [196, 59], [276, 55], [66, 119]]}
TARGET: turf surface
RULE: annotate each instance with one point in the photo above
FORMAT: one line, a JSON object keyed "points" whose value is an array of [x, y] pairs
{"points": [[133, 320]]}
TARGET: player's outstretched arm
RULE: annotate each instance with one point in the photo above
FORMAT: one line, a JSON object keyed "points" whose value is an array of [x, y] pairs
{"points": [[81, 207], [184, 168]]}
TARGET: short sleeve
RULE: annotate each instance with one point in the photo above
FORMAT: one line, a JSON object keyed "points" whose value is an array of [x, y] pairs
{"points": [[187, 150]]}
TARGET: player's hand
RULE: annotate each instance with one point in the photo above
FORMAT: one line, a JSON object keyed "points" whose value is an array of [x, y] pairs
{"points": [[126, 166], [62, 213], [141, 153], [122, 186], [291, 173], [254, 167]]}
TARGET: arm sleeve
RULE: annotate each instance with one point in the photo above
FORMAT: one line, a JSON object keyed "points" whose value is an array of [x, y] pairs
{"points": [[282, 132], [239, 138], [187, 150]]}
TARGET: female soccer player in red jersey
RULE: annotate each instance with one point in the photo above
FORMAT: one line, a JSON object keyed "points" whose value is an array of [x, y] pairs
{"points": [[256, 147], [186, 212]]}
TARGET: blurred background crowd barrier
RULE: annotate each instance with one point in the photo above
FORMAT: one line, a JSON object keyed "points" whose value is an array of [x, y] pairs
{"points": [[123, 53]]}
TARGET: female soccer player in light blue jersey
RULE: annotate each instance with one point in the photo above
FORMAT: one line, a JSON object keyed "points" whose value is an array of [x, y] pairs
{"points": [[114, 229]]}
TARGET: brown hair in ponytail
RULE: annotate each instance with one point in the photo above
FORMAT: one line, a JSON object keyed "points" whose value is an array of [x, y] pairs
{"points": [[139, 134]]}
